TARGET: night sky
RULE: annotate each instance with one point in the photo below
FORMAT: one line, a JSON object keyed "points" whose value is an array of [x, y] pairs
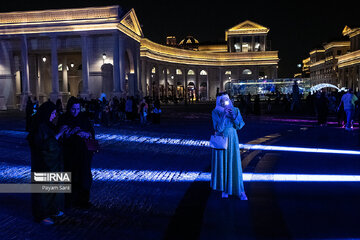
{"points": [[296, 27]]}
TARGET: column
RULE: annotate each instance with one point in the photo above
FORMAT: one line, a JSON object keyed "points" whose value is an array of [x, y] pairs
{"points": [[138, 87], [84, 92], [207, 86], [185, 75], [221, 81], [54, 95], [122, 65], [165, 82], [116, 66], [265, 43], [252, 44], [157, 81], [197, 84], [143, 79], [64, 76], [25, 86]]}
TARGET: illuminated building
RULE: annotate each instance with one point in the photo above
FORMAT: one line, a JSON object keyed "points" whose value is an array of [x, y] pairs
{"points": [[338, 63], [349, 63], [53, 54]]}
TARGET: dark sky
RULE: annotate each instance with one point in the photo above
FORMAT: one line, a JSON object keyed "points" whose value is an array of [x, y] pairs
{"points": [[296, 27]]}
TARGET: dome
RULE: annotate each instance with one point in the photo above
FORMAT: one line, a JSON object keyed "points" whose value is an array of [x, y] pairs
{"points": [[189, 42]]}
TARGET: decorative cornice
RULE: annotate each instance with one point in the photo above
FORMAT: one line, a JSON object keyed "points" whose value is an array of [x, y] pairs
{"points": [[59, 15], [337, 44], [159, 52], [70, 20], [349, 59], [317, 51]]}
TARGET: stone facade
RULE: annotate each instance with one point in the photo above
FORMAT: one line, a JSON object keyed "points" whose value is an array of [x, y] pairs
{"points": [[53, 54]]}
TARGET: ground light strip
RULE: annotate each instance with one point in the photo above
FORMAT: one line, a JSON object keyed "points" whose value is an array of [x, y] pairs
{"points": [[21, 174], [200, 143]]}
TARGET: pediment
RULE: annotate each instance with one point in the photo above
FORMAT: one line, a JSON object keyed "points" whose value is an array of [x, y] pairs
{"points": [[248, 25], [346, 30], [131, 22]]}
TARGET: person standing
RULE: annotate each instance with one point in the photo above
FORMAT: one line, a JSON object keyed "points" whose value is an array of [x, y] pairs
{"points": [[46, 156], [29, 110], [143, 111], [226, 170], [77, 157], [348, 100], [323, 109]]}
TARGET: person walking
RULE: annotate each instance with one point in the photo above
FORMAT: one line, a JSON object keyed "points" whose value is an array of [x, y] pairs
{"points": [[46, 156], [348, 100], [226, 170]]}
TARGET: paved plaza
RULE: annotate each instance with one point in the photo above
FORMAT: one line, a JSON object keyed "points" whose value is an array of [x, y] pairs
{"points": [[152, 182]]}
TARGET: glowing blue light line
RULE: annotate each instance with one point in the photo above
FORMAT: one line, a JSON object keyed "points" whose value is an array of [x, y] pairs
{"points": [[203, 143], [22, 174], [297, 149]]}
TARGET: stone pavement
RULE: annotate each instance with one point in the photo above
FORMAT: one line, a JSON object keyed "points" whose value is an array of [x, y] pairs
{"points": [[149, 183]]}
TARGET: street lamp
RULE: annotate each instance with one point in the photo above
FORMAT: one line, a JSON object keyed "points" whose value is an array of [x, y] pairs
{"points": [[104, 57], [44, 59]]}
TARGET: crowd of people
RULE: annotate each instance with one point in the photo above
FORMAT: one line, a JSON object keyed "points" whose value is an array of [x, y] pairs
{"points": [[106, 112], [321, 104]]}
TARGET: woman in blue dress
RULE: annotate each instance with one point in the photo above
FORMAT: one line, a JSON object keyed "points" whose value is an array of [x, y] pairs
{"points": [[226, 171]]}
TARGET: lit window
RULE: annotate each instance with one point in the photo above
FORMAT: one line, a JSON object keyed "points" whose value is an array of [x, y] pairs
{"points": [[237, 47], [178, 72], [203, 73], [191, 72], [228, 73], [247, 72], [153, 70]]}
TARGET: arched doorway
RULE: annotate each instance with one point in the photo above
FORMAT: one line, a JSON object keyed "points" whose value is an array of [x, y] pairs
{"points": [[191, 91], [203, 91]]}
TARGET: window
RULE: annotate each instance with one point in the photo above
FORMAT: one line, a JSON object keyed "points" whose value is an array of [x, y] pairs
{"points": [[203, 73], [178, 72], [237, 47], [228, 73], [153, 70], [191, 72], [247, 72]]}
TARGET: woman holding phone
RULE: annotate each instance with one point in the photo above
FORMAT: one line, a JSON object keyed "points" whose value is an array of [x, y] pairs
{"points": [[226, 170]]}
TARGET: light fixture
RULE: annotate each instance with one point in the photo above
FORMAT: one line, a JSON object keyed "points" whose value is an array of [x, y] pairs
{"points": [[104, 57], [44, 59], [72, 65]]}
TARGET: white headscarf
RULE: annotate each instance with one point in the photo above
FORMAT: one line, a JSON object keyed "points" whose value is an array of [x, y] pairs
{"points": [[218, 102]]}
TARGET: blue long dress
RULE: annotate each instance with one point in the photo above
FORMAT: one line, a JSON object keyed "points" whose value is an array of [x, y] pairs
{"points": [[226, 171]]}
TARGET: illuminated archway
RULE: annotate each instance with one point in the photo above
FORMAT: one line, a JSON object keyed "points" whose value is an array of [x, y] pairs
{"points": [[321, 86]]}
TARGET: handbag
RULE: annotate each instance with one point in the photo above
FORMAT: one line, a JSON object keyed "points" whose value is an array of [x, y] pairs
{"points": [[219, 142], [92, 145]]}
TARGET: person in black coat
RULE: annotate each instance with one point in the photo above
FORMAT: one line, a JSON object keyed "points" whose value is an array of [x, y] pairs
{"points": [[46, 156], [29, 110], [77, 158]]}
